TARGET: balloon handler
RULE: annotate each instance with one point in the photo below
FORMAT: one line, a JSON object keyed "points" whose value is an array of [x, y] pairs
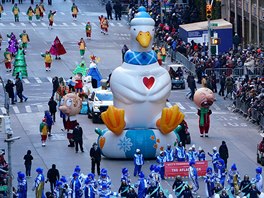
{"points": [[139, 118], [204, 98], [70, 105]]}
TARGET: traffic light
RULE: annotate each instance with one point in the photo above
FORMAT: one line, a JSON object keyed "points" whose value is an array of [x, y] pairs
{"points": [[208, 11], [215, 41]]}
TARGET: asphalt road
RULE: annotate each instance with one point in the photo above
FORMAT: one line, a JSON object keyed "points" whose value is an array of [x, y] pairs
{"points": [[240, 135]]}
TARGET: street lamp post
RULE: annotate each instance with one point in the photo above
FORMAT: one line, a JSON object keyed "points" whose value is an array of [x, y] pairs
{"points": [[9, 140], [209, 15]]}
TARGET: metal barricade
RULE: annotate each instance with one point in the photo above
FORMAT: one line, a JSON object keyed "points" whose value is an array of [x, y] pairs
{"points": [[188, 64], [236, 72], [244, 108], [261, 123]]}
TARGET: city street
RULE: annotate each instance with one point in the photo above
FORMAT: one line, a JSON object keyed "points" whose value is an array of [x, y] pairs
{"points": [[240, 135]]}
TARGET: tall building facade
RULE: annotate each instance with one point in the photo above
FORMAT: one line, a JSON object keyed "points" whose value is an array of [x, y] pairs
{"points": [[247, 17]]}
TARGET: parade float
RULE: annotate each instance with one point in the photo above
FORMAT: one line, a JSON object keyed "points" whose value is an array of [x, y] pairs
{"points": [[139, 118]]}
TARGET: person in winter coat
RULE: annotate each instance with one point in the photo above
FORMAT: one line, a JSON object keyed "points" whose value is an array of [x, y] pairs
{"points": [[95, 154], [132, 193], [55, 85], [53, 108], [138, 162], [124, 188], [53, 176], [77, 137], [253, 192], [192, 86], [118, 9], [245, 185], [124, 50], [223, 152], [229, 87], [19, 90], [28, 162], [178, 186], [9, 87], [222, 84], [109, 9]]}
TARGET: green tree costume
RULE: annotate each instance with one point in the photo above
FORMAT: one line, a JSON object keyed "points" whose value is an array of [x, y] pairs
{"points": [[81, 68], [20, 64]]}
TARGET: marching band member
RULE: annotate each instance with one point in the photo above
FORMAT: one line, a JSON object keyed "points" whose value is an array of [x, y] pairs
{"points": [[138, 162], [169, 154], [193, 176], [209, 181], [234, 179], [161, 159], [180, 154]]}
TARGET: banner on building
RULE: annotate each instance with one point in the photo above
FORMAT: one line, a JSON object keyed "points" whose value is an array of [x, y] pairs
{"points": [[172, 169]]}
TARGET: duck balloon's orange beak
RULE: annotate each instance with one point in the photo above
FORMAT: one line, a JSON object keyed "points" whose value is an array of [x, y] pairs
{"points": [[144, 38]]}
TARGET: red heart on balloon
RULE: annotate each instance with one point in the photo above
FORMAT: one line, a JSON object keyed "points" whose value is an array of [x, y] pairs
{"points": [[148, 82]]}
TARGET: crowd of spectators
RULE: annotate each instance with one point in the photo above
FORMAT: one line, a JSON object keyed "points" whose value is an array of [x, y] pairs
{"points": [[250, 99]]}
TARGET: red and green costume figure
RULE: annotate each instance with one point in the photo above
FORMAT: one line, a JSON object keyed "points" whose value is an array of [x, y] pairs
{"points": [[8, 59], [24, 38], [82, 47], [204, 120], [1, 10], [20, 65], [30, 13], [51, 18], [57, 49], [41, 11], [88, 29], [47, 60], [74, 10], [16, 11], [37, 12], [204, 98]]}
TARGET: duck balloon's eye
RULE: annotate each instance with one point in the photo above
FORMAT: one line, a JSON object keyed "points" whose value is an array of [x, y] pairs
{"points": [[134, 29], [69, 102]]}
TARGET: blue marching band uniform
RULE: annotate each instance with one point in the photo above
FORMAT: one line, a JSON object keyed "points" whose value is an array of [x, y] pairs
{"points": [[221, 174], [161, 159], [142, 185], [76, 186], [169, 154], [193, 175], [21, 185], [138, 162], [125, 176], [215, 157], [179, 153], [233, 179], [209, 180]]}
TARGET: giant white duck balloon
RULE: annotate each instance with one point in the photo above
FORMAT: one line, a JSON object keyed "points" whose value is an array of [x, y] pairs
{"points": [[139, 118]]}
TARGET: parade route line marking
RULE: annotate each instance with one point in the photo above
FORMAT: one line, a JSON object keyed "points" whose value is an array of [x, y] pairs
{"points": [[50, 79], [64, 24], [215, 113], [3, 110], [54, 24], [119, 24], [12, 24], [44, 24], [4, 14], [74, 24], [62, 13], [1, 24], [83, 24], [180, 105], [26, 81], [38, 80], [23, 24], [112, 24], [34, 24], [23, 13], [191, 107], [40, 108], [216, 107], [16, 110], [28, 109]]}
